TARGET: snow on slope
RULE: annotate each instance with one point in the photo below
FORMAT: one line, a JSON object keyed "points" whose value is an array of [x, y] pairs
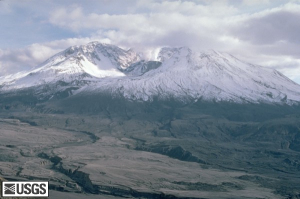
{"points": [[188, 75], [178, 72], [76, 63]]}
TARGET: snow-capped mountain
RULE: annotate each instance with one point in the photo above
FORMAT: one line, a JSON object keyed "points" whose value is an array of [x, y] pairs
{"points": [[178, 73], [76, 63]]}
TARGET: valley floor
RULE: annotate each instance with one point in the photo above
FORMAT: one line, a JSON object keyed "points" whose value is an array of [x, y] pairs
{"points": [[129, 159]]}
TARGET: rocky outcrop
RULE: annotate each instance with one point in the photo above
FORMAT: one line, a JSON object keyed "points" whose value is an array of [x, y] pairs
{"points": [[176, 152]]}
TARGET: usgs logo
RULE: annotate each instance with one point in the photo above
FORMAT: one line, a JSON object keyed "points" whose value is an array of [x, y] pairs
{"points": [[11, 189]]}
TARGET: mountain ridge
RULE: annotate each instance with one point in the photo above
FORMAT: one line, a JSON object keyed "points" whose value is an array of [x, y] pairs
{"points": [[179, 73]]}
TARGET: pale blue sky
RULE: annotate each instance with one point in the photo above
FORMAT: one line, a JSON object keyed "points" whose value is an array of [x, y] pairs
{"points": [[263, 32]]}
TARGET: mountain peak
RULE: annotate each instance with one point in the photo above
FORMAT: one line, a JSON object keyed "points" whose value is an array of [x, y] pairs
{"points": [[166, 53]]}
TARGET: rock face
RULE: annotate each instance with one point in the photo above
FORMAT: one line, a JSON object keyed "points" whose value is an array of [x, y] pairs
{"points": [[177, 73], [176, 152]]}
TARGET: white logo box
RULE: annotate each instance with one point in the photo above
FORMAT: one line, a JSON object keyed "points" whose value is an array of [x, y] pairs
{"points": [[25, 189]]}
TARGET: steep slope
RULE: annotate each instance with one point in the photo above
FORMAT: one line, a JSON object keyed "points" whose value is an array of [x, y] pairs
{"points": [[77, 63], [177, 73], [189, 76]]}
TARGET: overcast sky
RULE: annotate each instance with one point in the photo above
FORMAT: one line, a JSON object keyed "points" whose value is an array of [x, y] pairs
{"points": [[264, 32]]}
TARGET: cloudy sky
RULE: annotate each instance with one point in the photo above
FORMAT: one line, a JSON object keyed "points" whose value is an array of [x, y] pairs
{"points": [[265, 32]]}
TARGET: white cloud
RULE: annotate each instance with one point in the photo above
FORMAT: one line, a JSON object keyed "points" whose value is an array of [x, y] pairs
{"points": [[255, 2], [213, 9], [271, 26], [258, 35], [27, 58], [150, 29], [285, 64]]}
